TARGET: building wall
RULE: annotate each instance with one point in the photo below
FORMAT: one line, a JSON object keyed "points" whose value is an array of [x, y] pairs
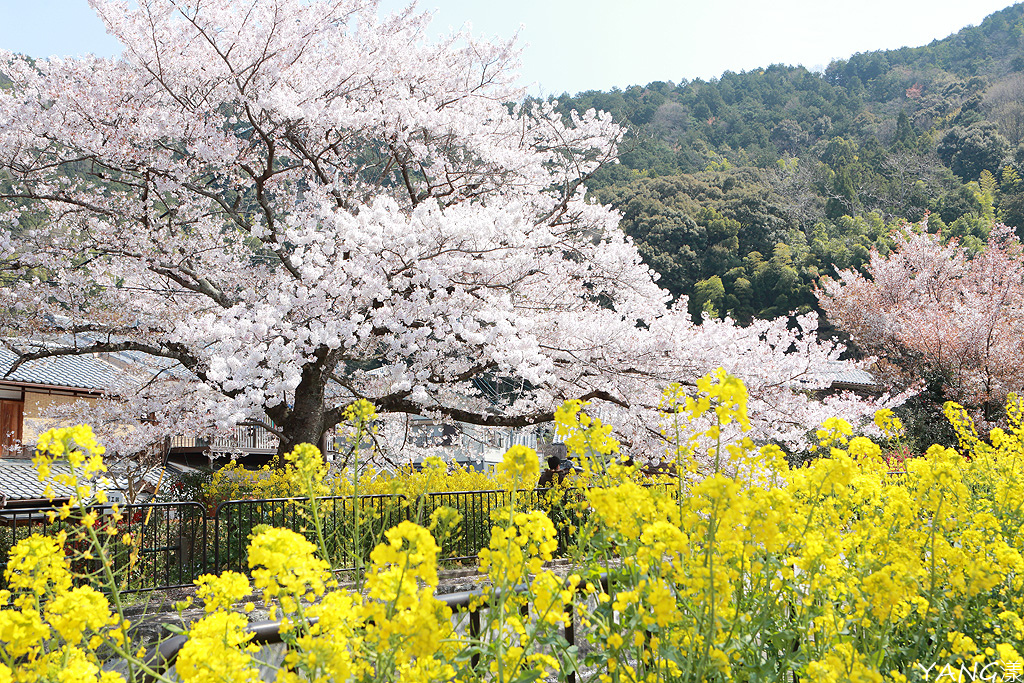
{"points": [[34, 423]]}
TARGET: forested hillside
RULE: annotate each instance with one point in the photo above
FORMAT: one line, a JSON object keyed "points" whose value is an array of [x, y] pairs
{"points": [[742, 191]]}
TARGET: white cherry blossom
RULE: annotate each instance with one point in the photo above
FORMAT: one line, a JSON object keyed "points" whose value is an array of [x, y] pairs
{"points": [[296, 204]]}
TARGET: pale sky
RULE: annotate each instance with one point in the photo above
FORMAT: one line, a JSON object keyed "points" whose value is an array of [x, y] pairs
{"points": [[575, 45]]}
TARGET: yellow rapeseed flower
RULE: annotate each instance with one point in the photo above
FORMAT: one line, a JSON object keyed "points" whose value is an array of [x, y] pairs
{"points": [[36, 565], [519, 468], [215, 651], [285, 566], [221, 592]]}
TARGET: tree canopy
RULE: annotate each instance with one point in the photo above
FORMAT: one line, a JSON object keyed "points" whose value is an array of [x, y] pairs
{"points": [[935, 311], [296, 205], [890, 136]]}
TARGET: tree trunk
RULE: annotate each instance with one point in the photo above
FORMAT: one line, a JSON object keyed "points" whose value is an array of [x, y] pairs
{"points": [[304, 421]]}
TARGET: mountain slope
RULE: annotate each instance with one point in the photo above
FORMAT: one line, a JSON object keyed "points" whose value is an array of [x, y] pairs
{"points": [[824, 164]]}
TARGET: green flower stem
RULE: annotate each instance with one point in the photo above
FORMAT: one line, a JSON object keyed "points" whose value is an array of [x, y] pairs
{"points": [[356, 537]]}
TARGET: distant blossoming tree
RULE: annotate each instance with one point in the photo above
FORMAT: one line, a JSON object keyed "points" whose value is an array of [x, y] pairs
{"points": [[930, 309], [294, 204]]}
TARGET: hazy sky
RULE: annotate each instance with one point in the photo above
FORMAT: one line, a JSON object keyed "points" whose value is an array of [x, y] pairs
{"points": [[574, 45]]}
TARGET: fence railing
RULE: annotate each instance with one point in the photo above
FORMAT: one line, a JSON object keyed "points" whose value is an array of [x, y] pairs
{"points": [[173, 544], [163, 657], [168, 549], [238, 439]]}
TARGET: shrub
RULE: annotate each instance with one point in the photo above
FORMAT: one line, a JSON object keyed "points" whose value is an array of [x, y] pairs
{"points": [[749, 571]]}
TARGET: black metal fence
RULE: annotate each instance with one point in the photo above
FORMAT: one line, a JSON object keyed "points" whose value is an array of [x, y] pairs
{"points": [[350, 544], [173, 544], [169, 545]]}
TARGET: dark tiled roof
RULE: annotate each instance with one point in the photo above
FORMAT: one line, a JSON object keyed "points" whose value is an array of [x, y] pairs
{"points": [[19, 481], [78, 372]]}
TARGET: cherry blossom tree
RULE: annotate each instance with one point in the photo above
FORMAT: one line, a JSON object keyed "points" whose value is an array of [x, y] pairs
{"points": [[294, 204], [930, 309]]}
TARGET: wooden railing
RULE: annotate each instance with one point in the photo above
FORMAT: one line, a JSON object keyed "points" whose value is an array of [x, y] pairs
{"points": [[244, 439], [259, 440]]}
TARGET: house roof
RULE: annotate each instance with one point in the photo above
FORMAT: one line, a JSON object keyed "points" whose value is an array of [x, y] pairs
{"points": [[841, 374], [20, 482], [76, 372]]}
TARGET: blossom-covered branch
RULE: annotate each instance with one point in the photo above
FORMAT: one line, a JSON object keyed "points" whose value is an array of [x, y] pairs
{"points": [[302, 205]]}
